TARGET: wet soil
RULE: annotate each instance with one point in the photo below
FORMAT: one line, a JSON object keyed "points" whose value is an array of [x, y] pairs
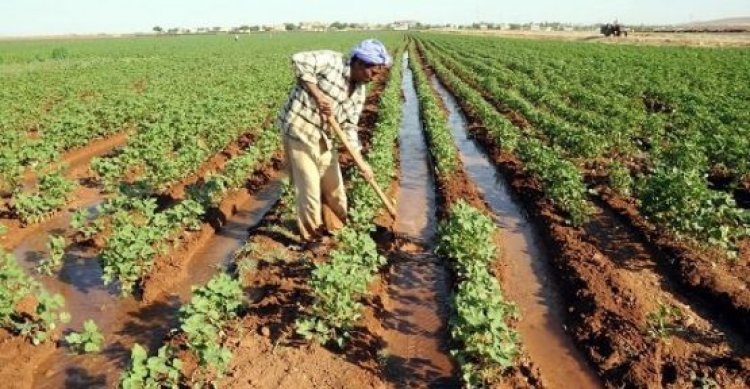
{"points": [[223, 231], [610, 301], [528, 281], [127, 321], [85, 195], [416, 289]]}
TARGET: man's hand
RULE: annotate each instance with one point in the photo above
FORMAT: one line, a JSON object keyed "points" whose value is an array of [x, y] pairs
{"points": [[325, 108]]}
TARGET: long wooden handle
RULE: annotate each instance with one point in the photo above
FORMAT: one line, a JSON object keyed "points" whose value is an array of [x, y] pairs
{"points": [[361, 165]]}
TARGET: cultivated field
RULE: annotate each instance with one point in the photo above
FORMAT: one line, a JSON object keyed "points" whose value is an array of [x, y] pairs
{"points": [[570, 214]]}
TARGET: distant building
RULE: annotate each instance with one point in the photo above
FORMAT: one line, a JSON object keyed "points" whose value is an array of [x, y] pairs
{"points": [[400, 26], [313, 26]]}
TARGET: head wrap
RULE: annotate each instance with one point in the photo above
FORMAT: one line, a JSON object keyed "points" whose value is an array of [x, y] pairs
{"points": [[372, 52]]}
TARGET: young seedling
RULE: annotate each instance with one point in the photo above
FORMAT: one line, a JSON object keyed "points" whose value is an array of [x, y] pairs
{"points": [[663, 323], [56, 247], [88, 341]]}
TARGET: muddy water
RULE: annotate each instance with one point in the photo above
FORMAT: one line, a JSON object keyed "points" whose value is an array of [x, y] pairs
{"points": [[416, 205], [416, 305], [125, 321], [530, 282]]}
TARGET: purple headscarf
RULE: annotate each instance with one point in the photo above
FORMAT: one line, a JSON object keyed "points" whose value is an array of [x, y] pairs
{"points": [[372, 52]]}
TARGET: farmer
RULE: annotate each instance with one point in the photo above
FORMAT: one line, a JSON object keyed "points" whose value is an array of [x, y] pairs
{"points": [[328, 83]]}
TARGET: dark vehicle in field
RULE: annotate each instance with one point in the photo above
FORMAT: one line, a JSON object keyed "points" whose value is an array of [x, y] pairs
{"points": [[615, 29]]}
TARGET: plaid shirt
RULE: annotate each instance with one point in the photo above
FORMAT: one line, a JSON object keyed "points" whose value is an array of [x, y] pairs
{"points": [[329, 70]]}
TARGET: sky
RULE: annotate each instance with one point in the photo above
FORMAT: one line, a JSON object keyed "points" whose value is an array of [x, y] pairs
{"points": [[53, 17]]}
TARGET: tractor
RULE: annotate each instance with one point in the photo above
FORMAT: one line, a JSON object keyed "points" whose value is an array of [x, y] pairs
{"points": [[615, 29]]}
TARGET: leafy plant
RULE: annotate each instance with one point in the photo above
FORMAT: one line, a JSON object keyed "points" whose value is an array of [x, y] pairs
{"points": [[56, 248], [480, 323], [663, 323], [53, 192], [159, 371], [48, 314], [619, 178], [204, 318], [16, 286], [88, 341]]}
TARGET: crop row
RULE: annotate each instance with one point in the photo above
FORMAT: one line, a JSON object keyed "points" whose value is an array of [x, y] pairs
{"points": [[26, 308], [674, 193], [561, 180], [486, 343]]}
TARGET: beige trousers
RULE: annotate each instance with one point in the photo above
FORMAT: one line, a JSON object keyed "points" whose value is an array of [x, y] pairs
{"points": [[319, 187]]}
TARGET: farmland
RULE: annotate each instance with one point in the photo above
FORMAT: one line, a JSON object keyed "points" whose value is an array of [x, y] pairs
{"points": [[569, 215]]}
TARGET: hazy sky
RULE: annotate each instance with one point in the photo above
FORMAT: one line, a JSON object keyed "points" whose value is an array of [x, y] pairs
{"points": [[41, 17]]}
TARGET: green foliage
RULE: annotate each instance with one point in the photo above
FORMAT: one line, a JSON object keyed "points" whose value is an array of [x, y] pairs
{"points": [[619, 178], [159, 371], [140, 235], [664, 322], [480, 323], [53, 191], [236, 172], [15, 286], [682, 200], [60, 53], [561, 180], [88, 341], [438, 133], [337, 286], [47, 315], [204, 318], [582, 110], [53, 262]]}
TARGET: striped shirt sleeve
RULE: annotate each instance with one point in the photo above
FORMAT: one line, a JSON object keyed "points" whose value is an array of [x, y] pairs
{"points": [[307, 65]]}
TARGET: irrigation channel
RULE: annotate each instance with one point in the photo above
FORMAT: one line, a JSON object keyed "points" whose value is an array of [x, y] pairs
{"points": [[125, 321], [531, 281], [418, 283]]}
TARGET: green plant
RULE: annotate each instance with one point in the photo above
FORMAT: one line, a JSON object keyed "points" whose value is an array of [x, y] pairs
{"points": [[664, 321], [52, 192], [88, 341], [204, 318], [619, 178], [480, 323], [53, 262], [159, 371], [682, 200], [40, 327]]}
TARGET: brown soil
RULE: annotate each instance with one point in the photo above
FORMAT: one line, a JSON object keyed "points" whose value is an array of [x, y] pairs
{"points": [[724, 285], [18, 358], [611, 286], [174, 267], [267, 351]]}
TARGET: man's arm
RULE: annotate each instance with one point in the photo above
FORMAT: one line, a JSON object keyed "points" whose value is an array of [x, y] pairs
{"points": [[307, 65]]}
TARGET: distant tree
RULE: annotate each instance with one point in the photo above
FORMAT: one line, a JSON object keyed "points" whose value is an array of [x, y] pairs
{"points": [[243, 28], [255, 28], [290, 26], [174, 30], [216, 29], [338, 25], [158, 29]]}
